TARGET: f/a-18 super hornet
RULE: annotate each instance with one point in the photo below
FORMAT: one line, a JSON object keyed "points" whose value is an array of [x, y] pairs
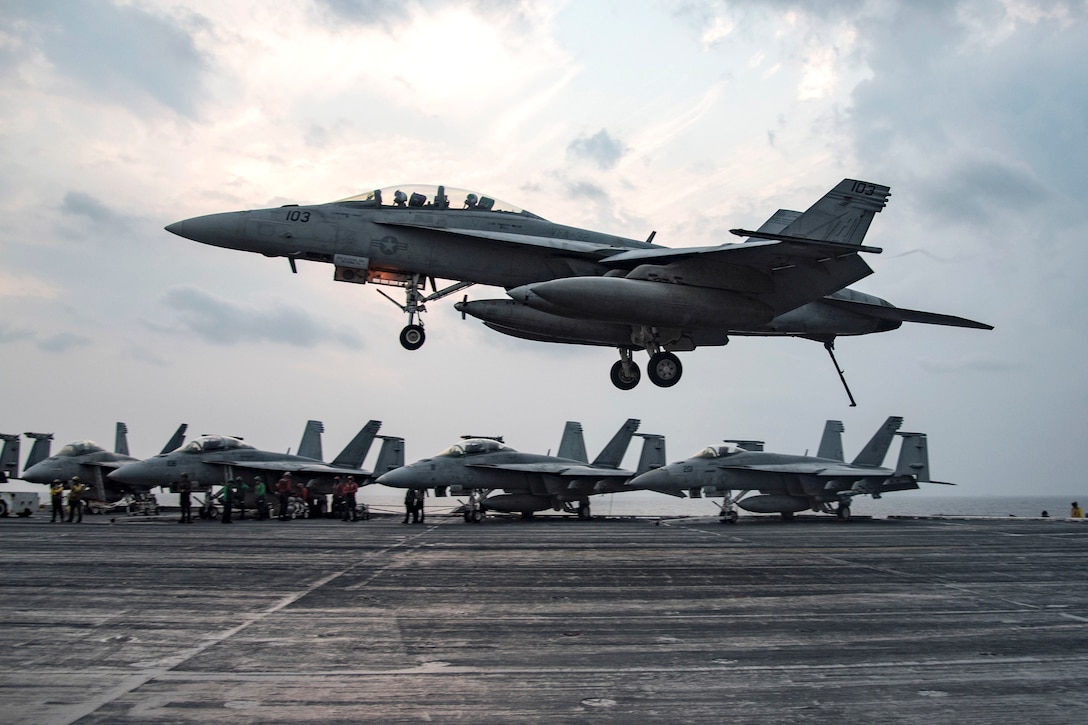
{"points": [[574, 285], [212, 460], [789, 279], [529, 482], [786, 484], [93, 464]]}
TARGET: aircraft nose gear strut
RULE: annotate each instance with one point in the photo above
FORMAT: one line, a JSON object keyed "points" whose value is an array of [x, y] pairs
{"points": [[413, 335]]}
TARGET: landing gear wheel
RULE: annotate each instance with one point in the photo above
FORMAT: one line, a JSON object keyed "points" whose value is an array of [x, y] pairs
{"points": [[626, 376], [786, 515], [729, 517], [476, 516], [843, 512], [664, 369], [583, 512], [412, 337]]}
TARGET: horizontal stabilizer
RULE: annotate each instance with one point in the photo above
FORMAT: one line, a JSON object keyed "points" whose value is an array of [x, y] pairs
{"points": [[900, 314]]}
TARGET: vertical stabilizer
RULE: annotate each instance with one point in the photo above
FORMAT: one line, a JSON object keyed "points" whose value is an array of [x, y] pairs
{"points": [[9, 457], [310, 445], [573, 445], [390, 456], [613, 453], [913, 457], [877, 448], [120, 439], [653, 452], [43, 442], [177, 440], [842, 215], [831, 442], [353, 454]]}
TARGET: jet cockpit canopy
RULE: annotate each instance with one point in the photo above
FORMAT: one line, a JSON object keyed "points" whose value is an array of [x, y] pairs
{"points": [[728, 449], [80, 448], [207, 444], [472, 447], [430, 197]]}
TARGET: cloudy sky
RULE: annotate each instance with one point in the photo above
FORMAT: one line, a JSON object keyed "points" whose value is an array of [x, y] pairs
{"points": [[685, 117]]}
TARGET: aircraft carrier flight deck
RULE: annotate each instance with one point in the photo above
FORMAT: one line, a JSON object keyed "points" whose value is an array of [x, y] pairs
{"points": [[551, 619]]}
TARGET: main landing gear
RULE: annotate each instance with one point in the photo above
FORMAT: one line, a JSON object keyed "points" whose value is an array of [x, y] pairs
{"points": [[413, 335], [664, 370]]}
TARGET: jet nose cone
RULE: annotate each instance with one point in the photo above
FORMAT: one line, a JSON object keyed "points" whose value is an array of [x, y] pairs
{"points": [[41, 473], [219, 230], [658, 478], [126, 474], [402, 477]]}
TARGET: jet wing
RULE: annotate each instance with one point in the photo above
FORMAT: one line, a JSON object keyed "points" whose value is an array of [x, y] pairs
{"points": [[110, 465], [589, 249], [294, 467], [758, 254], [783, 273], [819, 469], [557, 469]]}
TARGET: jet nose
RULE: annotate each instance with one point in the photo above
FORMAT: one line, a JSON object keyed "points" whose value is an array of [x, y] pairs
{"points": [[128, 474], [219, 230], [403, 477], [655, 480], [41, 473]]}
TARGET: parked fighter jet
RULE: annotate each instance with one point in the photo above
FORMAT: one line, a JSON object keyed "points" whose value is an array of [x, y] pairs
{"points": [[477, 466], [787, 483], [212, 460], [92, 463], [578, 286]]}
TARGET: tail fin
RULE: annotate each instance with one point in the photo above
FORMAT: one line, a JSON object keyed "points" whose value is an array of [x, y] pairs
{"points": [[842, 215], [653, 452], [310, 445], [390, 456], [913, 457], [353, 454], [177, 440], [613, 453], [9, 458], [831, 442], [877, 448], [43, 443], [573, 445], [120, 440]]}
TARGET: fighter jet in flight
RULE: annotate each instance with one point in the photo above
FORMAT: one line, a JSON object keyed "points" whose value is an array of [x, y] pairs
{"points": [[212, 460], [578, 286], [787, 484], [93, 463], [529, 482]]}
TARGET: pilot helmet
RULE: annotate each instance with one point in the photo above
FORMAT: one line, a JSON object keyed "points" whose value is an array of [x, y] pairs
{"points": [[75, 479], [56, 480]]}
